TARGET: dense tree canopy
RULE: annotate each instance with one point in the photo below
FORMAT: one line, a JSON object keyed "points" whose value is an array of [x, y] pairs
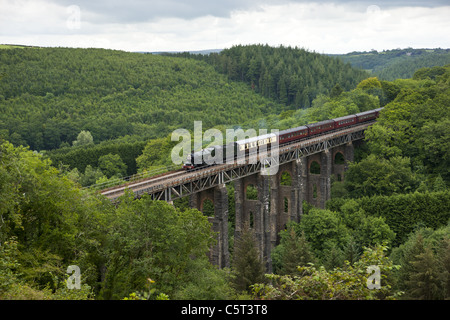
{"points": [[397, 63], [153, 240], [291, 76], [416, 123], [49, 95], [98, 109], [48, 223], [54, 223]]}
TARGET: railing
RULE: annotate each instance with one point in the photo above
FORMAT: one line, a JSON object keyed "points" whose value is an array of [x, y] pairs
{"points": [[111, 183]]}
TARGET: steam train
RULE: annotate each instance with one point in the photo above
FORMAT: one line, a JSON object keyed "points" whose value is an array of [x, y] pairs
{"points": [[247, 146]]}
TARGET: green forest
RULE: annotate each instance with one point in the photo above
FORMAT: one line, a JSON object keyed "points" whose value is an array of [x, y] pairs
{"points": [[397, 63], [74, 117], [291, 76], [49, 95]]}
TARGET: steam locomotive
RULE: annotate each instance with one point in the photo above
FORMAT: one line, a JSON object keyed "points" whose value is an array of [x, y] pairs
{"points": [[248, 146]]}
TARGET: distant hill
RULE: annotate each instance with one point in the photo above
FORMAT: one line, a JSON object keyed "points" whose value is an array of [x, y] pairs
{"points": [[397, 63], [15, 46], [191, 52], [48, 95], [291, 76]]}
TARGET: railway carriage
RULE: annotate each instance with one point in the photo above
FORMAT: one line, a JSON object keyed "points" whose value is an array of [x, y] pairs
{"points": [[293, 134], [320, 127], [254, 144], [367, 115], [248, 146], [345, 121]]}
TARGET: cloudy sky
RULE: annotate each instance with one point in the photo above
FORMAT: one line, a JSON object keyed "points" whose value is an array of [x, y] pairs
{"points": [[325, 26]]}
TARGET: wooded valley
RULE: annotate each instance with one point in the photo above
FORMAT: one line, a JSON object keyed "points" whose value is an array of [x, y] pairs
{"points": [[71, 118]]}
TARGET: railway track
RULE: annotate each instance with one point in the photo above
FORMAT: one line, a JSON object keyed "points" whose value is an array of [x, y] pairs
{"points": [[136, 184], [159, 181]]}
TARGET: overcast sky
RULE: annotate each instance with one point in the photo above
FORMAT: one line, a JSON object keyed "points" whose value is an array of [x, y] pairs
{"points": [[326, 26]]}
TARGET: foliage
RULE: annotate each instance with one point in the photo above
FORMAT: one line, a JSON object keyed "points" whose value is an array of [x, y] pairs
{"points": [[347, 283], [323, 229], [8, 264], [48, 223], [206, 282], [83, 138], [416, 124], [369, 83], [378, 176], [112, 165], [331, 237], [152, 239], [424, 257], [47, 215], [90, 176], [291, 76], [324, 107], [70, 158], [401, 212], [49, 95], [156, 153], [397, 185], [397, 63], [247, 265], [147, 294], [292, 252]]}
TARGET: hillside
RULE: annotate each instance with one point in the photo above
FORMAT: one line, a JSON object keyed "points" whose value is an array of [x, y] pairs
{"points": [[49, 95], [397, 63], [392, 209], [291, 76]]}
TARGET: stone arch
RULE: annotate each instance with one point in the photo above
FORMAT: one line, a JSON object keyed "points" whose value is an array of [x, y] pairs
{"points": [[286, 205], [207, 207], [286, 178], [339, 158], [314, 167], [251, 192]]}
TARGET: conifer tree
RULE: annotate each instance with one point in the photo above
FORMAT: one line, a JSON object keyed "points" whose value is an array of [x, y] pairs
{"points": [[247, 265], [296, 252], [334, 257], [425, 280], [352, 251], [439, 184], [445, 254], [411, 249]]}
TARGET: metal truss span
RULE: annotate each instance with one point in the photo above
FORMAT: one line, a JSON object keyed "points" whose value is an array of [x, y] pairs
{"points": [[188, 183]]}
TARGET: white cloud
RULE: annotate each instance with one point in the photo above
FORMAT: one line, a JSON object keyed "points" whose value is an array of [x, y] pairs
{"points": [[322, 27]]}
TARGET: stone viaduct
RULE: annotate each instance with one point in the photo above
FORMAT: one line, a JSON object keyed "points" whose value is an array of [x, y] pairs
{"points": [[279, 199], [265, 203]]}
